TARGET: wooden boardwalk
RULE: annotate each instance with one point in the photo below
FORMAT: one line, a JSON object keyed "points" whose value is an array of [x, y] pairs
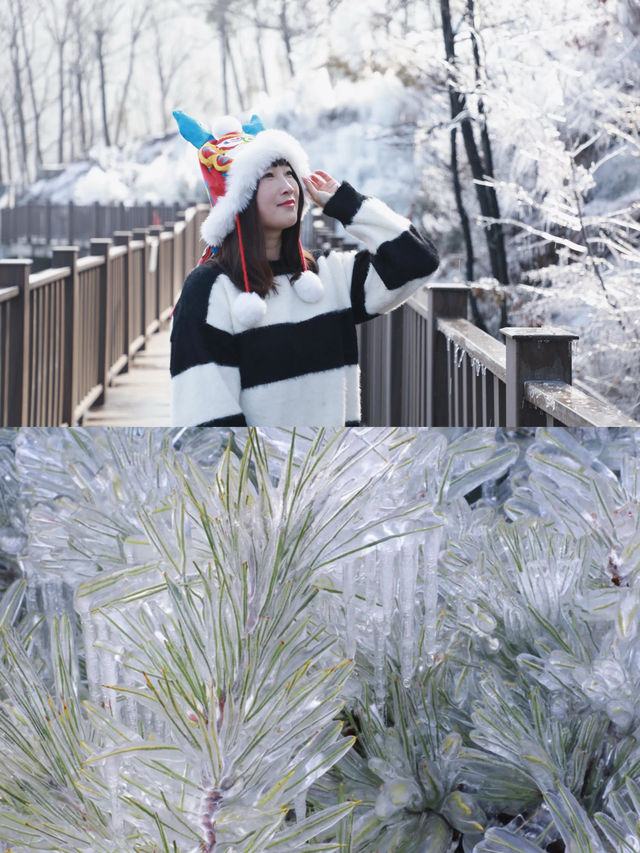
{"points": [[141, 396]]}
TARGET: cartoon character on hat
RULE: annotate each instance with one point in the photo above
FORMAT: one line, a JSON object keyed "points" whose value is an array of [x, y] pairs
{"points": [[233, 157]]}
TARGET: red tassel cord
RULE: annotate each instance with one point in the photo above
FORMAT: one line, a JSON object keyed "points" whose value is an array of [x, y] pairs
{"points": [[302, 257], [244, 264]]}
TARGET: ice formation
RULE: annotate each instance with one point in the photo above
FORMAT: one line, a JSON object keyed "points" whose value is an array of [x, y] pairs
{"points": [[393, 640]]}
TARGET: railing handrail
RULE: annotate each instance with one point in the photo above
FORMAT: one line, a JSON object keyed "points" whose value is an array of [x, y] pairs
{"points": [[7, 293], [89, 262], [44, 277], [479, 345], [572, 406]]}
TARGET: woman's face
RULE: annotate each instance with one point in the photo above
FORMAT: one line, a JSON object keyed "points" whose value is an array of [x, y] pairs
{"points": [[277, 198]]}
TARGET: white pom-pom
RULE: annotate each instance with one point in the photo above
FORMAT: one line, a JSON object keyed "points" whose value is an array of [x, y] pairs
{"points": [[225, 124], [248, 309], [308, 287]]}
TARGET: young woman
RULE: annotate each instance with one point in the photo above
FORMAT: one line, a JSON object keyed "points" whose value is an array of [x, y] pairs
{"points": [[262, 333]]}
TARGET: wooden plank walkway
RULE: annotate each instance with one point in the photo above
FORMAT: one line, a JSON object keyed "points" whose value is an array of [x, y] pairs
{"points": [[141, 396]]}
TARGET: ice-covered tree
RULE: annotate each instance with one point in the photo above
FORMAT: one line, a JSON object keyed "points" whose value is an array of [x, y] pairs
{"points": [[353, 640]]}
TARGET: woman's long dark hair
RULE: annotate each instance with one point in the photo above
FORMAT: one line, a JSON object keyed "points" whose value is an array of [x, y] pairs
{"points": [[259, 271]]}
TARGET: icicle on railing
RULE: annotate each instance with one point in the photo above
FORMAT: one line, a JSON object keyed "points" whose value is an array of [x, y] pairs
{"points": [[479, 368]]}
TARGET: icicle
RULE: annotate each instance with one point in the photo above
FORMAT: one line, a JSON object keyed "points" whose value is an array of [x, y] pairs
{"points": [[387, 582], [91, 657], [349, 609], [129, 678], [430, 551], [374, 623], [105, 675], [52, 602], [367, 565], [408, 570], [379, 672], [106, 663]]}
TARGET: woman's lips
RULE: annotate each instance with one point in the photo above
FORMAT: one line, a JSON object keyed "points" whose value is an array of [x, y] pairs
{"points": [[289, 203]]}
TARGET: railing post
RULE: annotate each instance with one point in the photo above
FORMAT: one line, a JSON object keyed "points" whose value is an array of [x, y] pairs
{"points": [[123, 238], [16, 273], [156, 231], [448, 301], [539, 353], [194, 238], [141, 234], [100, 246], [67, 256], [184, 248], [202, 211], [170, 228]]}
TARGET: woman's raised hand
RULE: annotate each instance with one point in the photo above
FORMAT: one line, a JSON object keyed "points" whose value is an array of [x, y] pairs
{"points": [[320, 187]]}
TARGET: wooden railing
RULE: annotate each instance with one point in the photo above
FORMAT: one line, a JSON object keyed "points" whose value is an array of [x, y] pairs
{"points": [[67, 331], [49, 224], [425, 364]]}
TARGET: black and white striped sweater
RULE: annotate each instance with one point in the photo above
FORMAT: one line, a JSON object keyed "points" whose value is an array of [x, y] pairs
{"points": [[299, 365]]}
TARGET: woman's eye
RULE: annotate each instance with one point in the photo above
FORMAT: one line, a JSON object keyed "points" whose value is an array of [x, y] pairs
{"points": [[268, 175]]}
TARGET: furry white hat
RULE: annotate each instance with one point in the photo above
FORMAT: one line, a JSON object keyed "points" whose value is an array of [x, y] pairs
{"points": [[233, 157], [247, 157]]}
